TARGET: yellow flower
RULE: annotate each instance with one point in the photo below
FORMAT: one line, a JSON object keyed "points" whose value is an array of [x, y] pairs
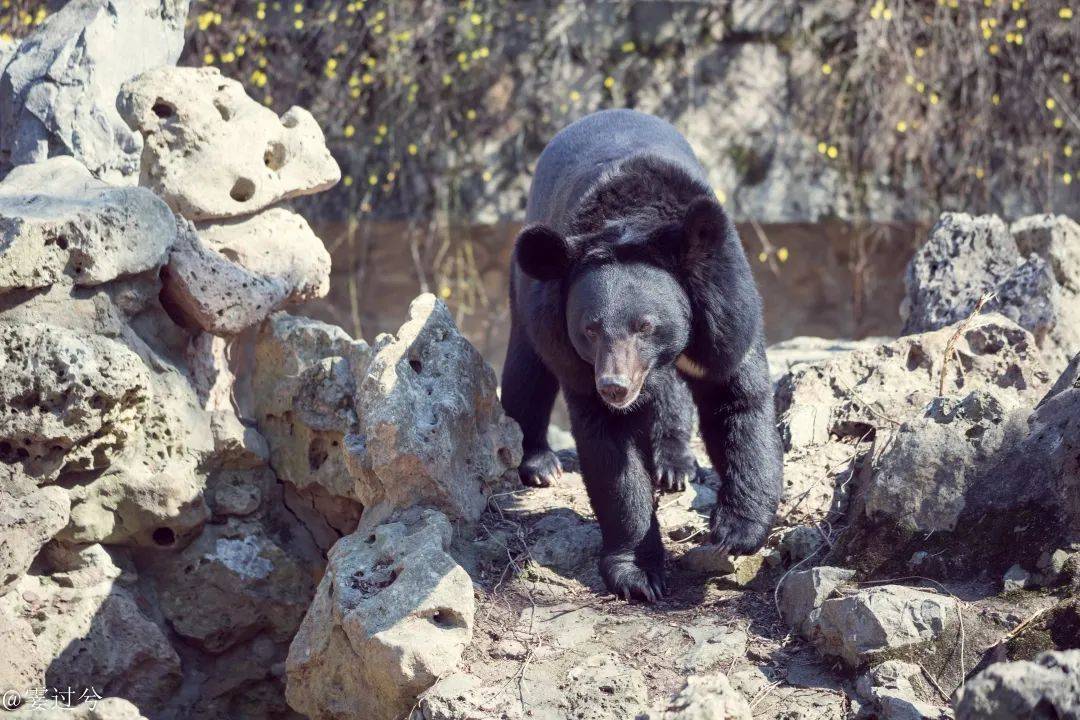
{"points": [[1050, 103], [1066, 78], [920, 52], [1059, 123], [762, 256], [413, 149], [609, 82], [993, 49], [826, 69], [470, 114], [575, 95], [298, 8], [1067, 178], [1021, 23], [446, 79], [782, 254], [347, 180], [1067, 151], [298, 24], [208, 59], [476, 18], [382, 129], [367, 78], [628, 46], [444, 292], [822, 147], [909, 79], [996, 99], [934, 98], [373, 180], [832, 152], [1065, 13], [979, 173], [487, 176], [901, 126], [349, 131], [920, 87]]}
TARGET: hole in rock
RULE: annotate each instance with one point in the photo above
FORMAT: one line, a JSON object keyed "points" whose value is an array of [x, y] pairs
{"points": [[274, 157], [446, 618], [242, 190], [289, 121], [163, 109], [224, 110], [164, 536], [317, 453], [416, 366]]}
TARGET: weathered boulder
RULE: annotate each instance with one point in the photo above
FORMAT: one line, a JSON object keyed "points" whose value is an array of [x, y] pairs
{"points": [[988, 486], [883, 386], [68, 401], [232, 583], [899, 691], [26, 524], [392, 615], [58, 91], [1049, 686], [227, 277], [96, 637], [59, 224], [413, 419], [1032, 269], [802, 593], [883, 622], [213, 152], [707, 697]]}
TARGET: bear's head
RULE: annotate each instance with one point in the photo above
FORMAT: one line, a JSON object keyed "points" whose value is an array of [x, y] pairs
{"points": [[627, 305]]}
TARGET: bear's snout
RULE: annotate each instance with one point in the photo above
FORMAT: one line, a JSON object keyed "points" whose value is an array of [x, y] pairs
{"points": [[614, 389]]}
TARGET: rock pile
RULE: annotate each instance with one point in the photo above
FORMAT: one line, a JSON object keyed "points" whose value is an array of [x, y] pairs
{"points": [[177, 457]]}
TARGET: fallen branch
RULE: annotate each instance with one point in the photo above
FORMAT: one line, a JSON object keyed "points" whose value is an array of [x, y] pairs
{"points": [[950, 347]]}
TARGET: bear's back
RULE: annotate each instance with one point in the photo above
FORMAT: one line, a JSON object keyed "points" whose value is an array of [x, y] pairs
{"points": [[582, 151]]}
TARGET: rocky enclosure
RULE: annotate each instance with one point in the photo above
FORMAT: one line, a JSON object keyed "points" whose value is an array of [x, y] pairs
{"points": [[210, 508]]}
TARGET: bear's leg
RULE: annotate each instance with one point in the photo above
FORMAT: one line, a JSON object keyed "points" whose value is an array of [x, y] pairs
{"points": [[528, 394], [620, 491], [738, 426], [672, 409]]}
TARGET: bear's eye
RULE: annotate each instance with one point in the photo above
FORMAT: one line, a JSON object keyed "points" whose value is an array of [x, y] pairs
{"points": [[644, 327], [592, 331]]}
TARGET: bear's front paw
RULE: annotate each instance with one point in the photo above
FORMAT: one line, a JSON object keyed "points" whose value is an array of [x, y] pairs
{"points": [[540, 469], [629, 580], [736, 534], [673, 467]]}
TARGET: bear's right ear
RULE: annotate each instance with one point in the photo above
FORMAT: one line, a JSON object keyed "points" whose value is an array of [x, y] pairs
{"points": [[544, 254]]}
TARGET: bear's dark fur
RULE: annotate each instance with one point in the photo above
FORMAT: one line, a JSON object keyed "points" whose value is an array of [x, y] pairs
{"points": [[631, 292]]}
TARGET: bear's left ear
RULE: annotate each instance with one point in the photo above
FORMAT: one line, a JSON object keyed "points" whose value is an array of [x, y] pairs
{"points": [[705, 227], [543, 253]]}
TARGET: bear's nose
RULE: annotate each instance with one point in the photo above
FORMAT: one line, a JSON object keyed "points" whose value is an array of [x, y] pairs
{"points": [[613, 388]]}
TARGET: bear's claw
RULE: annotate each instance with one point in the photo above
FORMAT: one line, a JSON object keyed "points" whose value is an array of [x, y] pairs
{"points": [[672, 470], [540, 469], [736, 534], [628, 581]]}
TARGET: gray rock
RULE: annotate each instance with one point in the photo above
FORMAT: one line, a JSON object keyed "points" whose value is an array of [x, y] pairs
{"points": [[26, 524], [899, 691], [59, 224], [879, 622], [1055, 238], [800, 542], [707, 697], [232, 583], [213, 152], [602, 687], [413, 419], [392, 615], [1015, 578], [58, 91], [1047, 687], [802, 593]]}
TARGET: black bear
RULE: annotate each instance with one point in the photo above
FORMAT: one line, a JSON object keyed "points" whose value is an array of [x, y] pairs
{"points": [[631, 292]]}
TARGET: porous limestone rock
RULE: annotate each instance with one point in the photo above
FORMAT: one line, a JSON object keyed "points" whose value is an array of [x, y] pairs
{"points": [[1048, 687], [392, 615], [58, 91], [96, 637], [707, 697], [213, 152], [1031, 269], [232, 583], [603, 687], [68, 401], [884, 621], [883, 386], [59, 224], [227, 277], [26, 524], [413, 419]]}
